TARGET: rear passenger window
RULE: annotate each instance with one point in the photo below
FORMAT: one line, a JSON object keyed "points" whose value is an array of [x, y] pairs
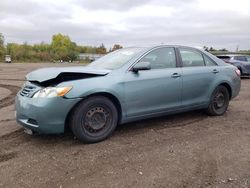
{"points": [[191, 58], [208, 61]]}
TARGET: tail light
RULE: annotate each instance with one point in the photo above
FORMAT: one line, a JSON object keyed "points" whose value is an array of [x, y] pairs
{"points": [[237, 71]]}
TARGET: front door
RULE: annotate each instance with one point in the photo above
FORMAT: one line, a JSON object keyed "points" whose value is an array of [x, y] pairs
{"points": [[148, 92]]}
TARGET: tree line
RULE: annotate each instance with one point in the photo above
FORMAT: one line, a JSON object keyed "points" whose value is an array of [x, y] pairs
{"points": [[60, 48], [215, 51]]}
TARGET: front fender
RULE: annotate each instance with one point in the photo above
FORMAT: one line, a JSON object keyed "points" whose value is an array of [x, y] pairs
{"points": [[86, 87], [99, 85], [101, 90]]}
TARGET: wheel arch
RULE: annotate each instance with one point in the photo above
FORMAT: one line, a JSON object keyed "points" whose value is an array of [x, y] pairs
{"points": [[110, 96], [229, 88]]}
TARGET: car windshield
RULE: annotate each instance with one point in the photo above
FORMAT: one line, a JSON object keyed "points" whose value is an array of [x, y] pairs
{"points": [[116, 59]]}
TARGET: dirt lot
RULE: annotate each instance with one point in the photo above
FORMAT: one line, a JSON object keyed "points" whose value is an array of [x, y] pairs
{"points": [[185, 150]]}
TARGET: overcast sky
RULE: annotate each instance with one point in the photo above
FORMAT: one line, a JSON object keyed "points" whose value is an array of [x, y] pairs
{"points": [[217, 23]]}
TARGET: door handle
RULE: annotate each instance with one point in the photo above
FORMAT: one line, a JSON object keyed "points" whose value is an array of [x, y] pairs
{"points": [[176, 75], [215, 71]]}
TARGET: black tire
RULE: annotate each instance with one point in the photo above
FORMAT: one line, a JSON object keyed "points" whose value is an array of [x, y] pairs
{"points": [[219, 101], [94, 119]]}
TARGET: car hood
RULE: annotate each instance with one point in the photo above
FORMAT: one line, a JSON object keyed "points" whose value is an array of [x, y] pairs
{"points": [[45, 74]]}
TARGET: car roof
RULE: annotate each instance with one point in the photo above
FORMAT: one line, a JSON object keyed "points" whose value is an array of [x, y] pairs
{"points": [[176, 46], [165, 45]]}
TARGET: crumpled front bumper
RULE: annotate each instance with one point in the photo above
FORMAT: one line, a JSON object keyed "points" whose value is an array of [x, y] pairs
{"points": [[43, 115]]}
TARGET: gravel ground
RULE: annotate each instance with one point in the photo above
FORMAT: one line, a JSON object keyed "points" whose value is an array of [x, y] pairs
{"points": [[184, 150]]}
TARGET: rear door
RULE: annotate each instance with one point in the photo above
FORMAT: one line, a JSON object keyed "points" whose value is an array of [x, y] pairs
{"points": [[198, 72], [156, 90]]}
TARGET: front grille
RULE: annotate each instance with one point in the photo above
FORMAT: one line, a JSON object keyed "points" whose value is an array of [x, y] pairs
{"points": [[28, 90]]}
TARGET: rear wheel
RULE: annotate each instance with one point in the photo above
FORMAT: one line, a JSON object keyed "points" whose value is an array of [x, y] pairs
{"points": [[94, 119], [219, 101]]}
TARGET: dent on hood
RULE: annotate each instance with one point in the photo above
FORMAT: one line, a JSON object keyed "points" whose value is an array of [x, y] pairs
{"points": [[53, 76], [63, 77]]}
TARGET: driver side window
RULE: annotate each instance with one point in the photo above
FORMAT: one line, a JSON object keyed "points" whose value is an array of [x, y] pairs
{"points": [[161, 58]]}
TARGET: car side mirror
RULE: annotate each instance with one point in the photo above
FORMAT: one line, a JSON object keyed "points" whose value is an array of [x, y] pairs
{"points": [[141, 66]]}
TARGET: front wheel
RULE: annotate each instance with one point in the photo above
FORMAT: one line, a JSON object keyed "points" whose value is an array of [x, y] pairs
{"points": [[94, 119], [219, 101]]}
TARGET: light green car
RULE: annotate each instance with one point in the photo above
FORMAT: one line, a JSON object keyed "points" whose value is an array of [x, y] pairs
{"points": [[124, 86]]}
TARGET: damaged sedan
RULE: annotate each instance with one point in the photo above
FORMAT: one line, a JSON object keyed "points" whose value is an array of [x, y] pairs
{"points": [[126, 85]]}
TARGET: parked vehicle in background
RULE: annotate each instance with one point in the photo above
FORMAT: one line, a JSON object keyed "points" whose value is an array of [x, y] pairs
{"points": [[242, 62], [124, 86], [7, 59]]}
